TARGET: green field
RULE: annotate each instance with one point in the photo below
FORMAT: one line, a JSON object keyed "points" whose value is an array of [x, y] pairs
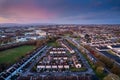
{"points": [[54, 44], [73, 69], [11, 55]]}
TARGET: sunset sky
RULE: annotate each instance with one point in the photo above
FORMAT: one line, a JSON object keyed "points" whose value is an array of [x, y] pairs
{"points": [[60, 11]]}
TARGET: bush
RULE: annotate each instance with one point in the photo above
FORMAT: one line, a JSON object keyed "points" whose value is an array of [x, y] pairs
{"points": [[100, 69], [112, 77]]}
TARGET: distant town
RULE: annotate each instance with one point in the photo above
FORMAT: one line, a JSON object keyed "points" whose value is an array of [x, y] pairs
{"points": [[59, 52]]}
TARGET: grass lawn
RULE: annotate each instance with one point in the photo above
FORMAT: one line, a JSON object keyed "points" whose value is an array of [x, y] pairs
{"points": [[54, 44], [11, 55], [111, 52], [100, 76], [77, 69]]}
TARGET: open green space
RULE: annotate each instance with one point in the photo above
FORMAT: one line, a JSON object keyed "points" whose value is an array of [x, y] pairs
{"points": [[99, 75], [12, 55], [54, 44], [73, 69], [111, 52]]}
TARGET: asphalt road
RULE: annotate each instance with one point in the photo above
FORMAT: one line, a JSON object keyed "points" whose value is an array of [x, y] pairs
{"points": [[25, 63], [36, 61]]}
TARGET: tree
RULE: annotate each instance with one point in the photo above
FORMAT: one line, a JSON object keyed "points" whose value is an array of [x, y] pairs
{"points": [[111, 77], [39, 43], [88, 39], [100, 69], [107, 61], [116, 69], [3, 66], [99, 63]]}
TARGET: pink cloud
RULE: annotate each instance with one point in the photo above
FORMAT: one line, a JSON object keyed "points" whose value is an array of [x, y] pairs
{"points": [[29, 12]]}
